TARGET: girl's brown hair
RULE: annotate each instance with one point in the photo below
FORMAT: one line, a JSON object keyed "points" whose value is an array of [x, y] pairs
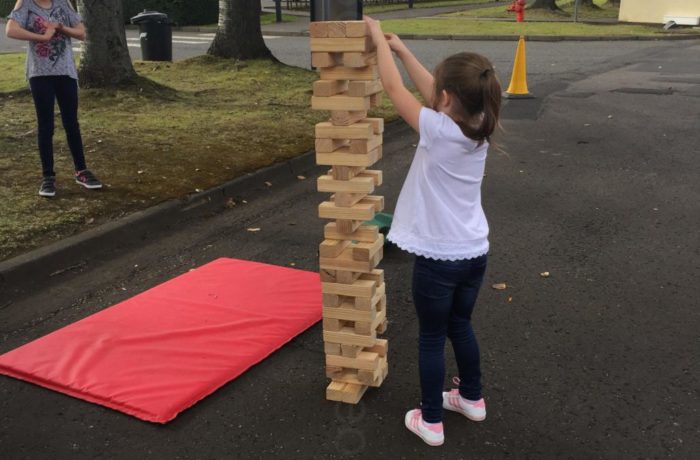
{"points": [[470, 78]]}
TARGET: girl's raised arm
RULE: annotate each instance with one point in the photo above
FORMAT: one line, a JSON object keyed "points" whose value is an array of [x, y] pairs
{"points": [[406, 104], [420, 76]]}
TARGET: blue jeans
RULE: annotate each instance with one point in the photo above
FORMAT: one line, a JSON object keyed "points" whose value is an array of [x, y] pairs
{"points": [[46, 91], [444, 293]]}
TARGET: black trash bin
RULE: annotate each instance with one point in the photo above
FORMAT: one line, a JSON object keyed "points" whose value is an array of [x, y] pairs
{"points": [[156, 33]]}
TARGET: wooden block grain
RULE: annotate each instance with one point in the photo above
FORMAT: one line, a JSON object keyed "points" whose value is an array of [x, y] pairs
{"points": [[340, 102], [370, 73], [365, 233], [347, 117], [327, 88], [322, 59], [363, 130], [341, 45], [364, 88], [343, 157]]}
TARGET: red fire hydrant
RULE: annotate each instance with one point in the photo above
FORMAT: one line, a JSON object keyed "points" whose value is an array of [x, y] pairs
{"points": [[518, 7]]}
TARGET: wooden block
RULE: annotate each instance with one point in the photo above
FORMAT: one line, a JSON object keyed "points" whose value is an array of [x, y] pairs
{"points": [[322, 60], [381, 305], [381, 327], [360, 184], [361, 288], [366, 251], [375, 100], [347, 312], [377, 200], [340, 102], [365, 360], [327, 88], [345, 262], [347, 226], [364, 88], [376, 377], [342, 72], [377, 124], [345, 172], [318, 29], [332, 248], [381, 347], [363, 327], [347, 200], [347, 336], [358, 59], [346, 277], [335, 390], [376, 176], [365, 233], [376, 275], [341, 45], [330, 145], [332, 348], [362, 303], [343, 157], [366, 145], [355, 29], [327, 275], [364, 130], [347, 117], [352, 393], [330, 300], [353, 376], [361, 211], [336, 29], [350, 351], [331, 324]]}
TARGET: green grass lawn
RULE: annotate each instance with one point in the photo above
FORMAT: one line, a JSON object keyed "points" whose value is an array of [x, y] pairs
{"points": [[455, 26], [269, 18], [371, 9], [188, 126], [604, 10]]}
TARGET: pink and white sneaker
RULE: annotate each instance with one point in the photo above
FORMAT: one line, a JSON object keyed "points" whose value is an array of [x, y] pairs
{"points": [[473, 410], [431, 433]]}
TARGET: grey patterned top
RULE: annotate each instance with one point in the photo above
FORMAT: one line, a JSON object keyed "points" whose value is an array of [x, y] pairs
{"points": [[56, 56]]}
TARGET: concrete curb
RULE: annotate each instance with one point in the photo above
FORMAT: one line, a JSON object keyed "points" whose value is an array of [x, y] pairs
{"points": [[45, 265]]}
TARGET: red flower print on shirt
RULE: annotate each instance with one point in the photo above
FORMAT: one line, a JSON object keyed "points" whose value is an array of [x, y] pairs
{"points": [[39, 25], [42, 49]]}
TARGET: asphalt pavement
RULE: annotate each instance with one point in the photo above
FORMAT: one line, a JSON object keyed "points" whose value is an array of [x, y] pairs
{"points": [[595, 182]]}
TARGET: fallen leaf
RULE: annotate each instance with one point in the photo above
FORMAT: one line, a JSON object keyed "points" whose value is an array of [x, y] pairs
{"points": [[510, 298], [254, 229], [90, 220], [139, 172], [499, 286], [301, 177], [230, 203], [292, 264], [544, 274], [269, 184]]}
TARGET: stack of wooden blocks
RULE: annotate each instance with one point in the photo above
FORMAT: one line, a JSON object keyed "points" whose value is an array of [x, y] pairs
{"points": [[354, 294]]}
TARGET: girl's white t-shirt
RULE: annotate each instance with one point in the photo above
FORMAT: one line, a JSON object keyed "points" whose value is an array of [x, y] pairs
{"points": [[439, 213]]}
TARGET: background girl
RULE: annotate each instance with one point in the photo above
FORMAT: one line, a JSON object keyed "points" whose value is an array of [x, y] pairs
{"points": [[439, 217], [48, 26]]}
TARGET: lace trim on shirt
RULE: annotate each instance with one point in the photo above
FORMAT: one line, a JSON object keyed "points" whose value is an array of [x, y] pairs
{"points": [[456, 251]]}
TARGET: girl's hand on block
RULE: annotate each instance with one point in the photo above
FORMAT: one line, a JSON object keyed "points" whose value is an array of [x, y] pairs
{"points": [[375, 29], [395, 43]]}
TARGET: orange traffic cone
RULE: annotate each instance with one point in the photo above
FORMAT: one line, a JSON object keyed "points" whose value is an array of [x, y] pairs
{"points": [[518, 81]]}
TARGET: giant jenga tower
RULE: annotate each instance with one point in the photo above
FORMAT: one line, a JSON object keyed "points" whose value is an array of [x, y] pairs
{"points": [[354, 295]]}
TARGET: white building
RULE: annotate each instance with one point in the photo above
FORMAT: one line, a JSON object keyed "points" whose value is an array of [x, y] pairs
{"points": [[683, 12]]}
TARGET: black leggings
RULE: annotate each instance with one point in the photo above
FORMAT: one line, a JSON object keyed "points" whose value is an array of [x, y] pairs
{"points": [[64, 89]]}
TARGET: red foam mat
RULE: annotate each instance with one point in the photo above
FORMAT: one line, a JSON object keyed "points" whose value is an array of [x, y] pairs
{"points": [[158, 353]]}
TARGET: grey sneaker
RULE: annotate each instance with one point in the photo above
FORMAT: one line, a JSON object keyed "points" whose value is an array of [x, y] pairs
{"points": [[48, 187], [87, 179]]}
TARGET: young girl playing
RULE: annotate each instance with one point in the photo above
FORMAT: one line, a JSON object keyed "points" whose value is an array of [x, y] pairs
{"points": [[48, 26], [439, 217]]}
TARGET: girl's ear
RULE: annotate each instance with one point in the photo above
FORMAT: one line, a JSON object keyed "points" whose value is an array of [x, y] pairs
{"points": [[445, 99]]}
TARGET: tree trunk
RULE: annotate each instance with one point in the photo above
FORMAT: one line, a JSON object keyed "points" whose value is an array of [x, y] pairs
{"points": [[239, 35], [105, 59], [547, 4]]}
